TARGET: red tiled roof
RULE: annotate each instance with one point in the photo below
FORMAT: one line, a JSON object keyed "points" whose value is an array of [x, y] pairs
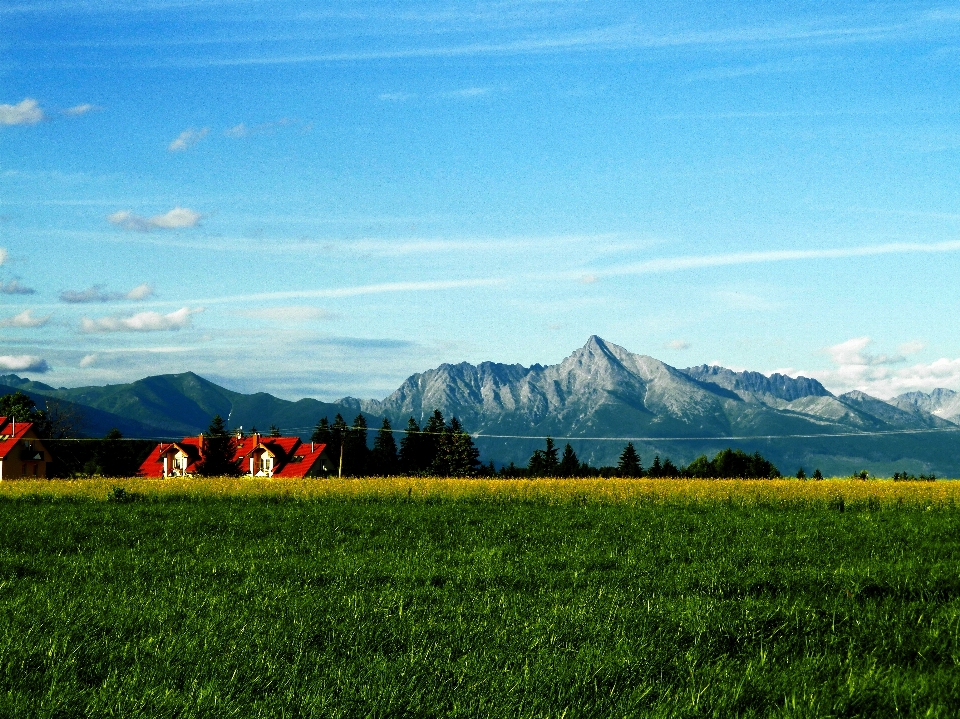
{"points": [[9, 439], [292, 457]]}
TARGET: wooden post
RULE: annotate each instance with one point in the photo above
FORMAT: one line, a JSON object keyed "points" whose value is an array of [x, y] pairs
{"points": [[340, 470]]}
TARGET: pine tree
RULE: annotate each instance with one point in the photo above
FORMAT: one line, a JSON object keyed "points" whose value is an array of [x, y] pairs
{"points": [[669, 469], [274, 430], [656, 469], [544, 462], [433, 432], [383, 458], [569, 463], [321, 433], [629, 464], [411, 449], [801, 474], [817, 474], [458, 456], [217, 454], [356, 453]]}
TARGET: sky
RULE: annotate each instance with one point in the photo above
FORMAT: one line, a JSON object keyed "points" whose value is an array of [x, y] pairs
{"points": [[320, 199]]}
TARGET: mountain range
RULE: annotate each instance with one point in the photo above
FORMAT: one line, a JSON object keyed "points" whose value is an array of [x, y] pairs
{"points": [[596, 398]]}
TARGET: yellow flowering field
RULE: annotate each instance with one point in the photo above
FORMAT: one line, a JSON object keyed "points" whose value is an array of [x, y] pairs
{"points": [[735, 491]]}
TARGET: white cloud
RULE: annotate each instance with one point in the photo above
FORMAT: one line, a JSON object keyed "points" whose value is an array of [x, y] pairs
{"points": [[24, 319], [89, 360], [851, 354], [78, 110], [242, 130], [25, 112], [96, 294], [912, 347], [175, 219], [3, 255], [14, 287], [291, 313], [140, 322], [678, 345], [140, 292], [237, 131], [187, 139], [877, 375], [23, 363]]}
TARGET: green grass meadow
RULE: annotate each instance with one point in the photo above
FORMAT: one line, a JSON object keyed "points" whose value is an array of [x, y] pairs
{"points": [[422, 607]]}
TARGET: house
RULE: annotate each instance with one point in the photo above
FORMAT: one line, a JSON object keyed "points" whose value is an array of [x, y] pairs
{"points": [[22, 454], [257, 456]]}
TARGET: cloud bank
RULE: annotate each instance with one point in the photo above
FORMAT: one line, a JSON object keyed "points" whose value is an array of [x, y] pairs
{"points": [[175, 219], [14, 287], [25, 112], [24, 319], [95, 294], [140, 322], [24, 363]]}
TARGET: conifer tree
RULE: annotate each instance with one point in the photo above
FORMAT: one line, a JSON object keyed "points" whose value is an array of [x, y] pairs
{"points": [[356, 453], [217, 455], [544, 462], [569, 463], [411, 449], [457, 456], [321, 433], [656, 469], [383, 458], [274, 430], [629, 464], [433, 431]]}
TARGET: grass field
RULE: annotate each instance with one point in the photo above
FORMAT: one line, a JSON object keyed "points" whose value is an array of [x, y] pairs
{"points": [[392, 598]]}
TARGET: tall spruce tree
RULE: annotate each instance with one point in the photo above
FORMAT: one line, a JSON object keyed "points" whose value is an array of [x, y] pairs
{"points": [[456, 456], [411, 449], [322, 434], [383, 458], [356, 453], [433, 433], [544, 462], [569, 463], [219, 448], [629, 464], [656, 469]]}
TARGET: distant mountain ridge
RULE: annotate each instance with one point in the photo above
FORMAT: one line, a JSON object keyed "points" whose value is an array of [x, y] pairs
{"points": [[600, 391]]}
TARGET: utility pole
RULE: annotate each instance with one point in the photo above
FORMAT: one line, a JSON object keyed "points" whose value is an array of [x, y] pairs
{"points": [[340, 470]]}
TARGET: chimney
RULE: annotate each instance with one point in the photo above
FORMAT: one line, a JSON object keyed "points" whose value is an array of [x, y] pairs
{"points": [[200, 441]]}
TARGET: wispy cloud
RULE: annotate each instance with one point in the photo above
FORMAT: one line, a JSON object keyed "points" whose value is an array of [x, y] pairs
{"points": [[24, 363], [25, 112], [3, 255], [693, 262], [290, 314], [140, 322], [242, 130], [78, 110], [96, 294], [15, 287], [678, 345], [187, 139], [177, 218], [24, 319]]}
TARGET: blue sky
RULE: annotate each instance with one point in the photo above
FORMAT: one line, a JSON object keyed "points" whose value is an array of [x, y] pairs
{"points": [[320, 199]]}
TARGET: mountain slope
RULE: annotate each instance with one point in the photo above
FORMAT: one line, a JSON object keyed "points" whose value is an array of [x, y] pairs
{"points": [[943, 403]]}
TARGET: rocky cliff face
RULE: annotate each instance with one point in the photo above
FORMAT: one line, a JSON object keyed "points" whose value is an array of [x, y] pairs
{"points": [[944, 403], [602, 389]]}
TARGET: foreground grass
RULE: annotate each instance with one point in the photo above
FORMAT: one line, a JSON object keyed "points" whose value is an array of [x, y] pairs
{"points": [[527, 599]]}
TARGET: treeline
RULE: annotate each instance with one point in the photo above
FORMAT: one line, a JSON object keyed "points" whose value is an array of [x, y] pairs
{"points": [[439, 448], [728, 463]]}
